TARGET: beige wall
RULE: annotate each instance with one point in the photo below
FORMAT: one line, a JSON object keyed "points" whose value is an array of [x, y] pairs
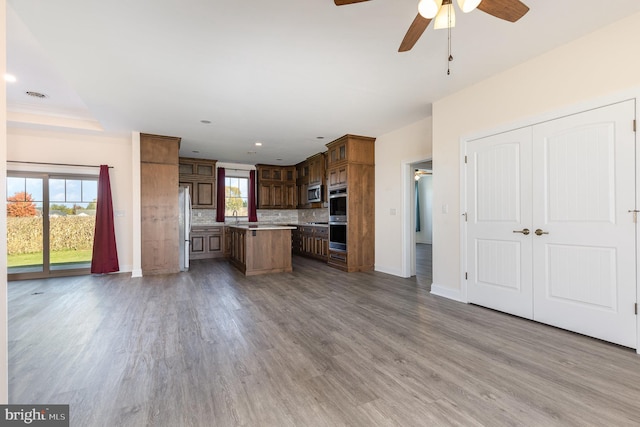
{"points": [[81, 148], [395, 151], [596, 66]]}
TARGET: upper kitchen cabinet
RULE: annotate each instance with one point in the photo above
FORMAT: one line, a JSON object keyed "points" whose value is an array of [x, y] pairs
{"points": [[200, 176], [317, 167], [345, 153], [159, 203], [276, 187]]}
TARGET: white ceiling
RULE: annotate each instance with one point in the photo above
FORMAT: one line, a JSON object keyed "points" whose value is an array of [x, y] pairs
{"points": [[282, 72]]}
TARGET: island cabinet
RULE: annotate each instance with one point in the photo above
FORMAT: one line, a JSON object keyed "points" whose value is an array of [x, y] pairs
{"points": [[206, 242], [276, 187], [350, 166], [200, 176], [259, 249], [159, 204]]}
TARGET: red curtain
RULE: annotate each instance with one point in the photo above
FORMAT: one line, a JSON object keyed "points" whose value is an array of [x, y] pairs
{"points": [[105, 254], [220, 205], [253, 216]]}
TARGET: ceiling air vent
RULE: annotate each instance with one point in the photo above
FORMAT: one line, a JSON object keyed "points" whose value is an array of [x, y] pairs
{"points": [[36, 94]]}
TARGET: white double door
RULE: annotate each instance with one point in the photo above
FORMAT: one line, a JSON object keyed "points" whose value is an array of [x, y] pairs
{"points": [[549, 232]]}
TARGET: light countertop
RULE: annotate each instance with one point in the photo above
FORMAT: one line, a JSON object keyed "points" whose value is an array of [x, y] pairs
{"points": [[262, 226]]}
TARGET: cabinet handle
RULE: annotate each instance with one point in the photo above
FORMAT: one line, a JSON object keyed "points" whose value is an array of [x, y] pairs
{"points": [[524, 231], [539, 232]]}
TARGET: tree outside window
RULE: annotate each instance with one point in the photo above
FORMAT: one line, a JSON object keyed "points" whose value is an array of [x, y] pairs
{"points": [[236, 191]]}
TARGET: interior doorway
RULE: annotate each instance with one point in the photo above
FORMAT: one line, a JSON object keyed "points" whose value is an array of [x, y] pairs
{"points": [[422, 222]]}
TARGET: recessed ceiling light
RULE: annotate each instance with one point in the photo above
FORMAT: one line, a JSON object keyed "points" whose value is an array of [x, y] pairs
{"points": [[319, 137], [36, 94], [10, 78], [279, 160], [195, 152], [258, 144], [206, 122]]}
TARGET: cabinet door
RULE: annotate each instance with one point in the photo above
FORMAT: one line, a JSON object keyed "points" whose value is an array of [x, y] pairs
{"points": [[214, 244], [264, 196], [338, 176], [206, 170], [204, 195], [277, 195], [289, 201]]}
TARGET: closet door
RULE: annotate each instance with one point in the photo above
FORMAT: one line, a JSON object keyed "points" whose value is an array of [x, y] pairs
{"points": [[584, 276], [499, 222]]}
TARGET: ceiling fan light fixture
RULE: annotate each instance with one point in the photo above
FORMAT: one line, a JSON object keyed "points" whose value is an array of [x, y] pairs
{"points": [[468, 5], [429, 8], [446, 17]]}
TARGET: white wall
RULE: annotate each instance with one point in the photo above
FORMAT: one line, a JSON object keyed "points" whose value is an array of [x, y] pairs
{"points": [[425, 190], [599, 64], [81, 148], [4, 366], [395, 151]]}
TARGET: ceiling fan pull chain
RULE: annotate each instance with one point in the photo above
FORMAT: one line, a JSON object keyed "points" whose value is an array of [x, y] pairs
{"points": [[450, 59]]}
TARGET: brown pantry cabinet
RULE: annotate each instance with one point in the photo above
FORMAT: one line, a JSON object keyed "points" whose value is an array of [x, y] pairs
{"points": [[351, 166], [200, 176], [159, 203]]}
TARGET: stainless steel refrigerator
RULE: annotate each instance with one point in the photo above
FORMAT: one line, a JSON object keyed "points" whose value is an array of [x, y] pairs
{"points": [[184, 226]]}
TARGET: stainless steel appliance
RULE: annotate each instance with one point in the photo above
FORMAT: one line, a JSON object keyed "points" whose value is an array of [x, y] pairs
{"points": [[314, 193], [338, 219], [338, 205], [338, 236], [184, 226]]}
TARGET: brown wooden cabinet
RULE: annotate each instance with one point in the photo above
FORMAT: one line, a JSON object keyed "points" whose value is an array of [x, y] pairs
{"points": [[200, 176], [311, 172], [350, 164], [311, 241], [276, 187], [316, 169], [159, 204], [207, 242]]}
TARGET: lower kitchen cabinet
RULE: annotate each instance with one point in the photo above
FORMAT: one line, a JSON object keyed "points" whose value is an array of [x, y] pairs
{"points": [[206, 242], [311, 241]]}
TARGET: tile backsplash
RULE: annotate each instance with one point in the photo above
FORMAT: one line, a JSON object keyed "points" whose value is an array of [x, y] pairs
{"points": [[274, 216]]}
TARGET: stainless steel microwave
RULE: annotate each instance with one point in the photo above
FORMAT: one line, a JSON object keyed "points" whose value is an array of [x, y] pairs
{"points": [[314, 193]]}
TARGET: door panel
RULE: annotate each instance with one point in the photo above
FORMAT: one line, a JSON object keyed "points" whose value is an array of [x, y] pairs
{"points": [[584, 269], [499, 201]]}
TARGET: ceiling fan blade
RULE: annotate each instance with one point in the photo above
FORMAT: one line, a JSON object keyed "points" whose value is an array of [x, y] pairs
{"points": [[343, 2], [509, 10], [413, 34]]}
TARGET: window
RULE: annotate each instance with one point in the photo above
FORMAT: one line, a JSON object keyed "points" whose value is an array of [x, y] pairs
{"points": [[50, 224], [236, 190]]}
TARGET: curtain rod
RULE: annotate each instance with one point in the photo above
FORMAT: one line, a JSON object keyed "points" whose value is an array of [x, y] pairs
{"points": [[56, 164]]}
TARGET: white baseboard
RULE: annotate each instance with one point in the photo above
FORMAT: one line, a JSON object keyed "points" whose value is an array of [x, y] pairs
{"points": [[387, 270], [447, 292], [136, 273]]}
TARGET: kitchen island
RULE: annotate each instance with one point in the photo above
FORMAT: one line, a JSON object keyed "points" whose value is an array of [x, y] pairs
{"points": [[261, 248]]}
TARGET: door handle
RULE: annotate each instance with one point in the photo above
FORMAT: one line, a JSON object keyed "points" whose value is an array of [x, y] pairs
{"points": [[540, 232], [524, 231]]}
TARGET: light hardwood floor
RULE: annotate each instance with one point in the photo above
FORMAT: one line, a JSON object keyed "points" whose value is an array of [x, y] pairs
{"points": [[316, 347]]}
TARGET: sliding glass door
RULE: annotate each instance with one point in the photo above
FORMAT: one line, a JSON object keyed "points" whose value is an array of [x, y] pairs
{"points": [[50, 224]]}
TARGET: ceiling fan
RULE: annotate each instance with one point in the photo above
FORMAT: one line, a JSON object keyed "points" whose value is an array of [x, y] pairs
{"points": [[508, 10]]}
